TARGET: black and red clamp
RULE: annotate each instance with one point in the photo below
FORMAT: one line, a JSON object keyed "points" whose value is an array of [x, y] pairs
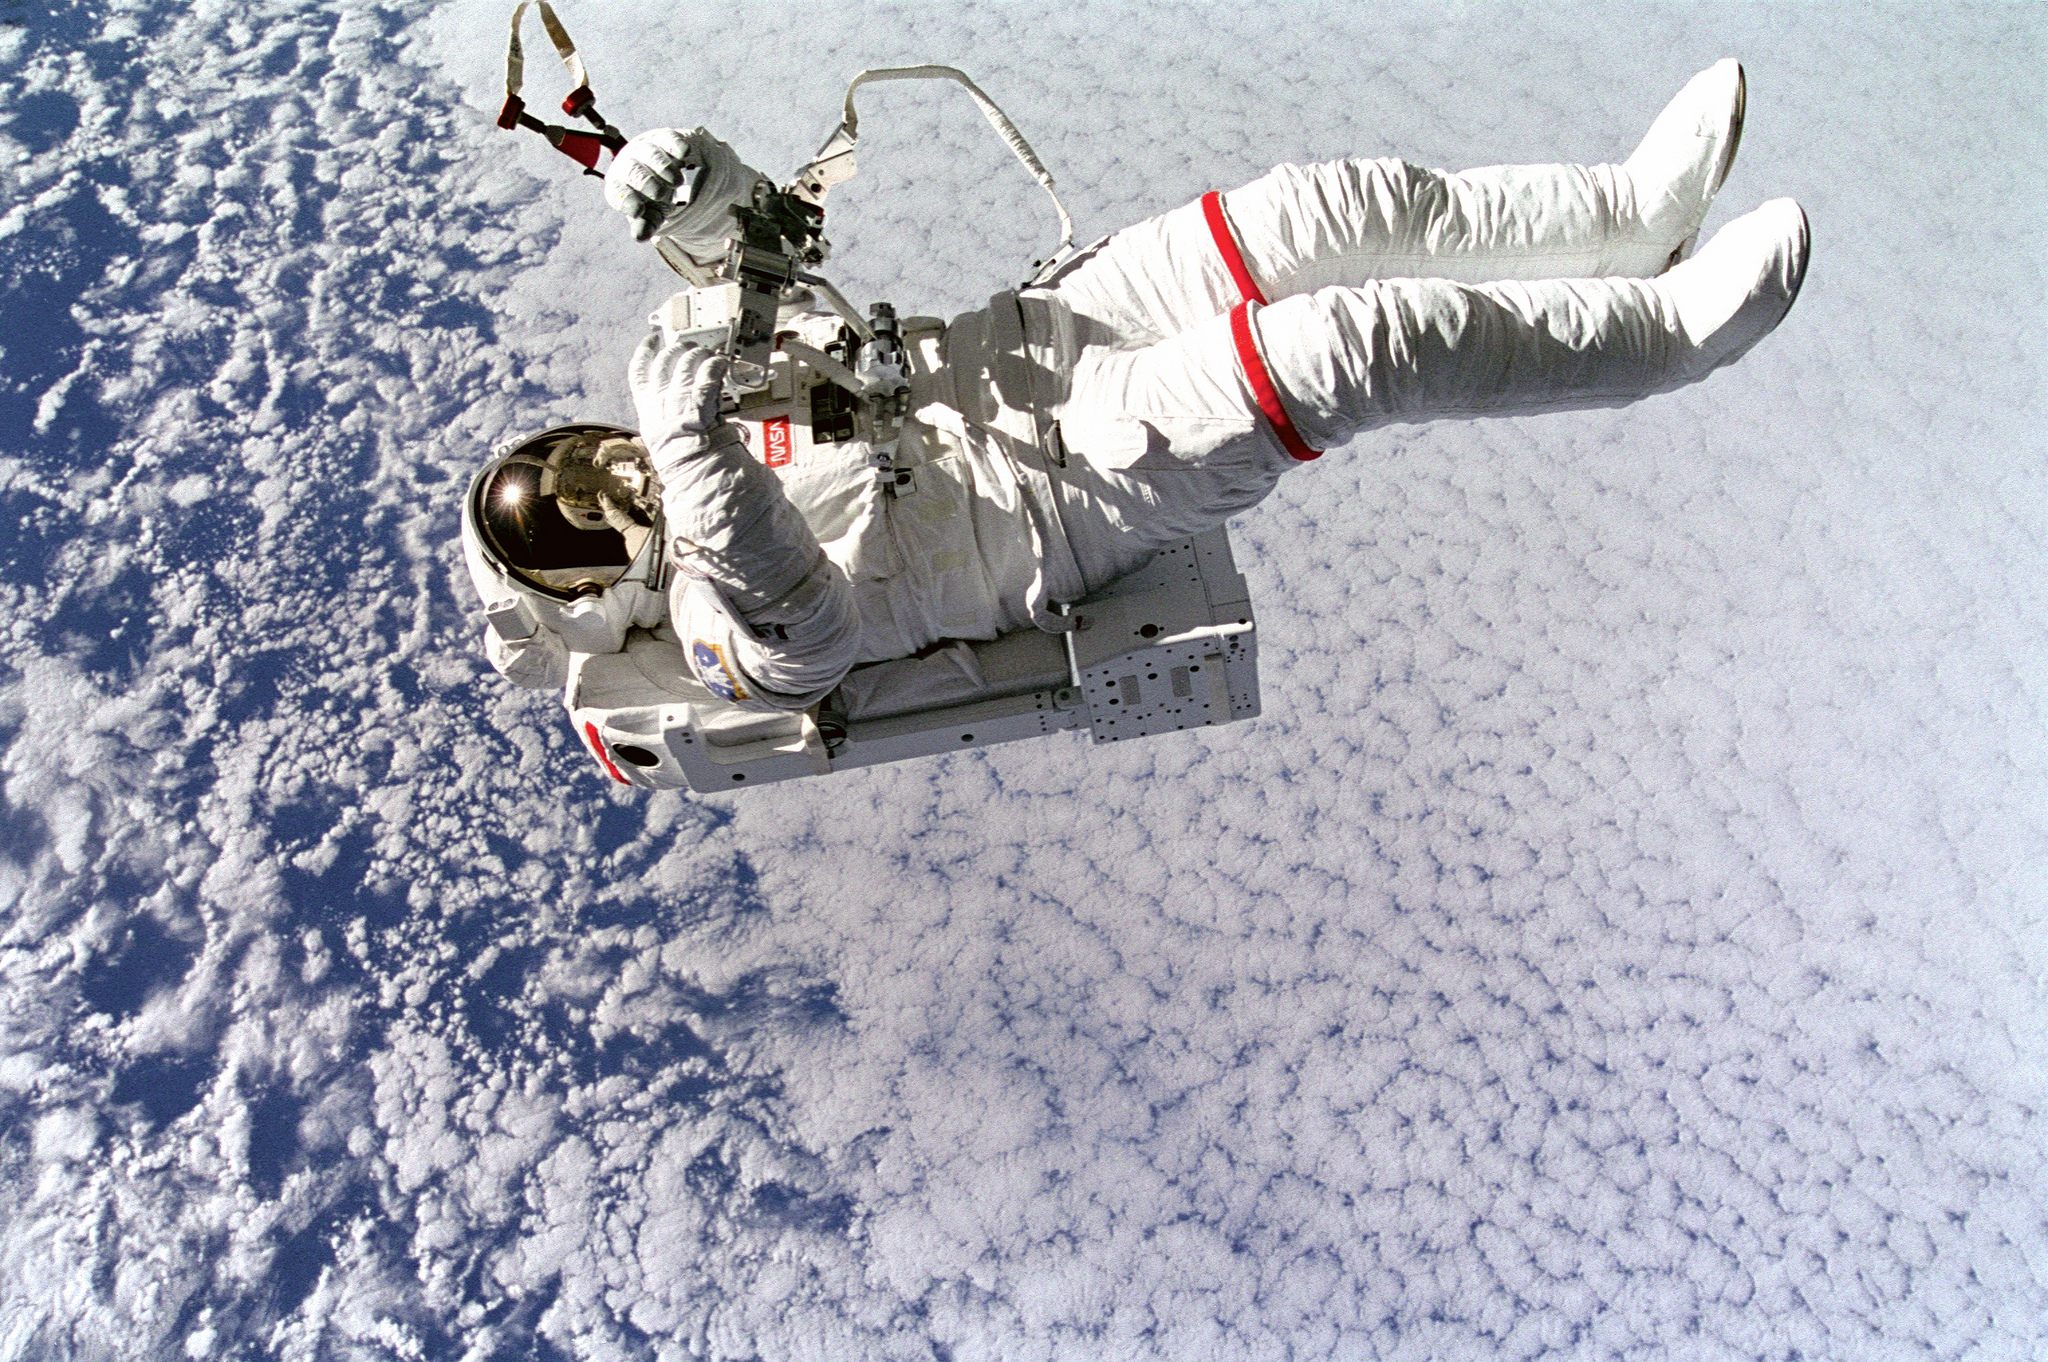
{"points": [[584, 148]]}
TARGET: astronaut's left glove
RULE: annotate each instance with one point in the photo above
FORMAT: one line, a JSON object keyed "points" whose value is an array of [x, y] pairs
{"points": [[681, 186], [653, 175], [677, 387]]}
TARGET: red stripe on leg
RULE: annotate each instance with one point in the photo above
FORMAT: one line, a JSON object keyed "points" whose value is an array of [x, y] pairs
{"points": [[1263, 391], [1226, 246]]}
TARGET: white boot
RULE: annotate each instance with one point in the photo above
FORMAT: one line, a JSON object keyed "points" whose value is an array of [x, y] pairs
{"points": [[1741, 284], [1347, 223], [1683, 160]]}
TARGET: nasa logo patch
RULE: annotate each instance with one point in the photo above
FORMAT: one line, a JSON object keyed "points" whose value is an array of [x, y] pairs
{"points": [[777, 444], [708, 661]]}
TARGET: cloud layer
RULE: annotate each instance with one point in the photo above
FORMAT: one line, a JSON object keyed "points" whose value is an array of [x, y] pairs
{"points": [[1620, 937]]}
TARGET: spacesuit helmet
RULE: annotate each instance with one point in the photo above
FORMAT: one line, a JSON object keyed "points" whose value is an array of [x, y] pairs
{"points": [[567, 512]]}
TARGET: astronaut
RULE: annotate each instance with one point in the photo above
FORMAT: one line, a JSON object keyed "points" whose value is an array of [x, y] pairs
{"points": [[1144, 389]]}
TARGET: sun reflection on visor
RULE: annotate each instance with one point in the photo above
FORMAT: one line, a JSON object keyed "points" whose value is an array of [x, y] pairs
{"points": [[569, 511]]}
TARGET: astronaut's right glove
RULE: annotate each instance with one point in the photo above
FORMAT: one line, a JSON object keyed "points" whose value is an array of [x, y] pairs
{"points": [[678, 387]]}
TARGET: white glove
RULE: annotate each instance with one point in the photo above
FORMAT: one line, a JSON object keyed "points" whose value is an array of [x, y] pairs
{"points": [[681, 186], [677, 386], [653, 176]]}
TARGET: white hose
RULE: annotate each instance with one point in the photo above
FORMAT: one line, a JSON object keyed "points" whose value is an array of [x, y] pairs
{"points": [[835, 162], [515, 56]]}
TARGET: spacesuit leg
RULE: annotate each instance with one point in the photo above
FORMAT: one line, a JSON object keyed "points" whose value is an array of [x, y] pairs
{"points": [[1349, 222], [1302, 228], [1316, 369]]}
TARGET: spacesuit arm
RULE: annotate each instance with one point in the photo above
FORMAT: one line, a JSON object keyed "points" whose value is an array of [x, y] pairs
{"points": [[537, 662], [518, 648], [789, 627], [765, 617]]}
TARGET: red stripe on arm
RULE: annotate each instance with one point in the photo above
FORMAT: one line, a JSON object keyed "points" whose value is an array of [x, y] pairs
{"points": [[1263, 391], [1226, 246]]}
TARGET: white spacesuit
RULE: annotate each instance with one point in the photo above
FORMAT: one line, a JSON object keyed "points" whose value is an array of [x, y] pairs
{"points": [[1144, 389]]}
